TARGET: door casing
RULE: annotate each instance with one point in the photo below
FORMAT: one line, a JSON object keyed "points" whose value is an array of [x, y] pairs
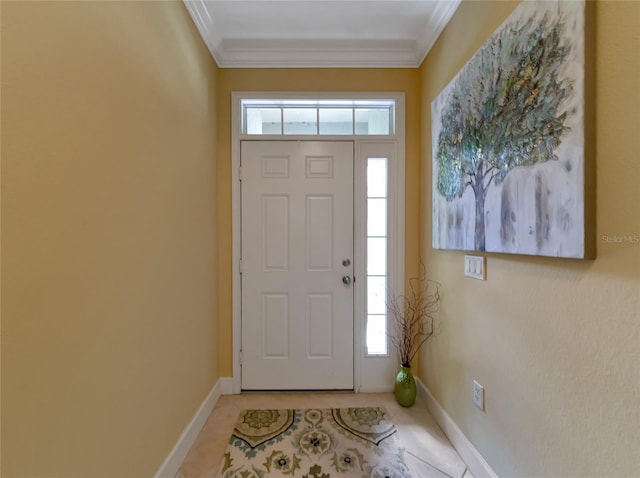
{"points": [[371, 374]]}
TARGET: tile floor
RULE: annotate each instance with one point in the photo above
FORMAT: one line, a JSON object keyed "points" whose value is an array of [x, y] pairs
{"points": [[429, 453]]}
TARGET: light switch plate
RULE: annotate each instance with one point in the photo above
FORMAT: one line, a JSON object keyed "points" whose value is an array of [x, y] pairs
{"points": [[474, 266]]}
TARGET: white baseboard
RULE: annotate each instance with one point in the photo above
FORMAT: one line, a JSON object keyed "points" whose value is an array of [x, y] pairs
{"points": [[384, 389], [171, 465], [227, 385], [469, 454]]}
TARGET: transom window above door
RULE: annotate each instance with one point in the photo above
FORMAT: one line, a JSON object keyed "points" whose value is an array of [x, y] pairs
{"points": [[318, 117]]}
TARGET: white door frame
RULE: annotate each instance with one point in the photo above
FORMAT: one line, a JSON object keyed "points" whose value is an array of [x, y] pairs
{"points": [[362, 143]]}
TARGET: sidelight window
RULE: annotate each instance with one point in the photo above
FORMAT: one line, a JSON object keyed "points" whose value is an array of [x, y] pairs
{"points": [[377, 245]]}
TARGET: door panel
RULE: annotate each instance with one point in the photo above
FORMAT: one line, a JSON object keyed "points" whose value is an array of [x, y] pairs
{"points": [[297, 228]]}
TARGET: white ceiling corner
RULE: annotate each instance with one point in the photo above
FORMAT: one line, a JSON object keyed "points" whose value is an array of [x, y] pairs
{"points": [[320, 33], [440, 16]]}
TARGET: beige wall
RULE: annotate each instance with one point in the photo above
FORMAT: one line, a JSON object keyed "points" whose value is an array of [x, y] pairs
{"points": [[554, 342], [336, 80], [109, 334], [110, 192]]}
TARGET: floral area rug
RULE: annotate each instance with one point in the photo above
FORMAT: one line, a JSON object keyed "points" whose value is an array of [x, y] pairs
{"points": [[314, 443]]}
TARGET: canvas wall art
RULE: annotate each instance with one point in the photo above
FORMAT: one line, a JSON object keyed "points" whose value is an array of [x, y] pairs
{"points": [[508, 136]]}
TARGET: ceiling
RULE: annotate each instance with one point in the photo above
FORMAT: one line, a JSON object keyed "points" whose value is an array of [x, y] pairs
{"points": [[320, 33]]}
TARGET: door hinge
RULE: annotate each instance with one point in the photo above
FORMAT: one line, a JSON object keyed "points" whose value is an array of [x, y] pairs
{"points": [[240, 266], [240, 173], [240, 357]]}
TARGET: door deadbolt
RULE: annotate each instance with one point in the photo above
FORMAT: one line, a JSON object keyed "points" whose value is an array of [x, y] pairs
{"points": [[346, 262]]}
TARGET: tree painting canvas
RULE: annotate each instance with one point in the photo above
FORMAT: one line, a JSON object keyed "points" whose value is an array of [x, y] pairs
{"points": [[508, 139]]}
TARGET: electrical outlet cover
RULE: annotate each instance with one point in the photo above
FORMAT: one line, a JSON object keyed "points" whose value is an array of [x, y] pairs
{"points": [[478, 395]]}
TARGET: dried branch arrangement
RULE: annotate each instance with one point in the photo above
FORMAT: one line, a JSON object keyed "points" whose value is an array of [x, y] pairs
{"points": [[411, 316]]}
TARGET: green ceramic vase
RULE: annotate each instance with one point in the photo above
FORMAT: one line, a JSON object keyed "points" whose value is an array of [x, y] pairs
{"points": [[405, 387]]}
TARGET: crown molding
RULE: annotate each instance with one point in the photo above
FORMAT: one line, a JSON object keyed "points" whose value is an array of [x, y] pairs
{"points": [[296, 53], [317, 54], [206, 26], [442, 13]]}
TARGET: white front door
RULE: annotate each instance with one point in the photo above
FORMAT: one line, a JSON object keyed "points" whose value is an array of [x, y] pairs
{"points": [[297, 265]]}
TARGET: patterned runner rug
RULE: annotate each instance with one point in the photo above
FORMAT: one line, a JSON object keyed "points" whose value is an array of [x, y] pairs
{"points": [[314, 443]]}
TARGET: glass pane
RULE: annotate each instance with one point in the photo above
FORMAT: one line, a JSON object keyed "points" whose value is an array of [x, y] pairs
{"points": [[263, 121], [372, 121], [336, 121], [376, 256], [377, 217], [300, 121], [376, 335], [377, 177], [376, 295]]}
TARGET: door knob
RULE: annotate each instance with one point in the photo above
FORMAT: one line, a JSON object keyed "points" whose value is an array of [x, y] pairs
{"points": [[346, 262], [346, 280]]}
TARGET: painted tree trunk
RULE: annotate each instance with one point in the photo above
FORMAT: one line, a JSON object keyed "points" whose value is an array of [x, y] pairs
{"points": [[479, 232], [479, 190]]}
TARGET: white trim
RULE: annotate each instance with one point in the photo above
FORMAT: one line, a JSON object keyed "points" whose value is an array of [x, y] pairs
{"points": [[174, 460], [205, 25], [226, 384], [263, 53], [359, 269], [318, 53], [398, 139], [438, 19], [470, 455]]}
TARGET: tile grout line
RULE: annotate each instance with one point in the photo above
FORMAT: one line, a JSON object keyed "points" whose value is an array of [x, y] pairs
{"points": [[433, 466]]}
